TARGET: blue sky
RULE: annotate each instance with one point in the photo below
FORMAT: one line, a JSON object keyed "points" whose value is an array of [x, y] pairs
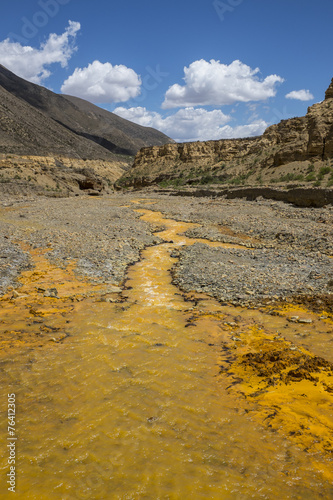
{"points": [[197, 70]]}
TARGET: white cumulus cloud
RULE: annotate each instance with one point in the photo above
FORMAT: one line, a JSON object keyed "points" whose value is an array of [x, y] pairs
{"points": [[140, 115], [31, 63], [213, 83], [192, 124], [252, 129], [103, 83], [301, 95]]}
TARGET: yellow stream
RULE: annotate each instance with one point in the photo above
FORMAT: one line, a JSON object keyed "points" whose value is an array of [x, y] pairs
{"points": [[125, 400]]}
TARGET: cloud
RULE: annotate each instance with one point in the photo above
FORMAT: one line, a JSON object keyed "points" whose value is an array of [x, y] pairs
{"points": [[140, 115], [301, 95], [31, 63], [253, 129], [213, 83], [103, 83], [192, 124]]}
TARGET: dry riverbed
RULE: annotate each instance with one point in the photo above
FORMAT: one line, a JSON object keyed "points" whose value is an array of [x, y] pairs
{"points": [[283, 250]]}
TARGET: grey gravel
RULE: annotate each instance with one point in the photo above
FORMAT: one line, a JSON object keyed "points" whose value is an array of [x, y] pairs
{"points": [[285, 250], [13, 260], [100, 235], [241, 275]]}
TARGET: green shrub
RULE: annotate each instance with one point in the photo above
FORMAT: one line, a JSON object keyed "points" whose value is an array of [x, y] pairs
{"points": [[207, 179], [237, 180], [322, 172], [172, 182], [310, 177], [291, 177]]}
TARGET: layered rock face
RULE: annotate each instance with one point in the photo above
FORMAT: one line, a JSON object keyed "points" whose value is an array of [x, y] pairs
{"points": [[329, 91], [293, 140]]}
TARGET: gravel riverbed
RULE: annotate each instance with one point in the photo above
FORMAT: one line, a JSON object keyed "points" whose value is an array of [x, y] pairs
{"points": [[99, 234], [286, 250]]}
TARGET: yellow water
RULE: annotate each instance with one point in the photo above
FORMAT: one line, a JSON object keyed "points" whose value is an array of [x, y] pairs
{"points": [[126, 400]]}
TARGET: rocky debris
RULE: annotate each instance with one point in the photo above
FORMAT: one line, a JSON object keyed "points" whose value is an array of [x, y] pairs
{"points": [[306, 321], [51, 292], [286, 251], [214, 233], [256, 224], [96, 234], [286, 247], [13, 260], [238, 276], [300, 197], [279, 365]]}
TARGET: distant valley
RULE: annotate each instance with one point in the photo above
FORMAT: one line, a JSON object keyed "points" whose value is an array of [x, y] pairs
{"points": [[59, 145]]}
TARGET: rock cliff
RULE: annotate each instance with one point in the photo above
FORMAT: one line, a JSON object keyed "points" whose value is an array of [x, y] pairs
{"points": [[293, 148], [56, 176]]}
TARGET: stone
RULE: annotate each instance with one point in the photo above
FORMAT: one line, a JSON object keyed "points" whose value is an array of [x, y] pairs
{"points": [[114, 289], [16, 295], [93, 192], [293, 319], [51, 292]]}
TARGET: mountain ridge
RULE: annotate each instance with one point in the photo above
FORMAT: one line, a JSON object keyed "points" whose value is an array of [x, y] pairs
{"points": [[111, 133]]}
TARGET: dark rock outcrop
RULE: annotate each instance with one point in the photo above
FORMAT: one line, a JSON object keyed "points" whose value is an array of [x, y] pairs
{"points": [[301, 197]]}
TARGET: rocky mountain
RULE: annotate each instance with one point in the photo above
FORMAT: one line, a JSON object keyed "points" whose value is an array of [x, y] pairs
{"points": [[34, 120], [25, 130], [297, 150], [59, 145], [113, 132]]}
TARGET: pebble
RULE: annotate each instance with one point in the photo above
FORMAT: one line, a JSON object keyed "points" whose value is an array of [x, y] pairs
{"points": [[51, 292], [293, 319]]}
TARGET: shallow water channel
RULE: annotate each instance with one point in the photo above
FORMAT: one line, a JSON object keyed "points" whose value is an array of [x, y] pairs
{"points": [[140, 399]]}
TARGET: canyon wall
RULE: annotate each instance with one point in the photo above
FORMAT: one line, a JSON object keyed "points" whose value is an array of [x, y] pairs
{"points": [[308, 138]]}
